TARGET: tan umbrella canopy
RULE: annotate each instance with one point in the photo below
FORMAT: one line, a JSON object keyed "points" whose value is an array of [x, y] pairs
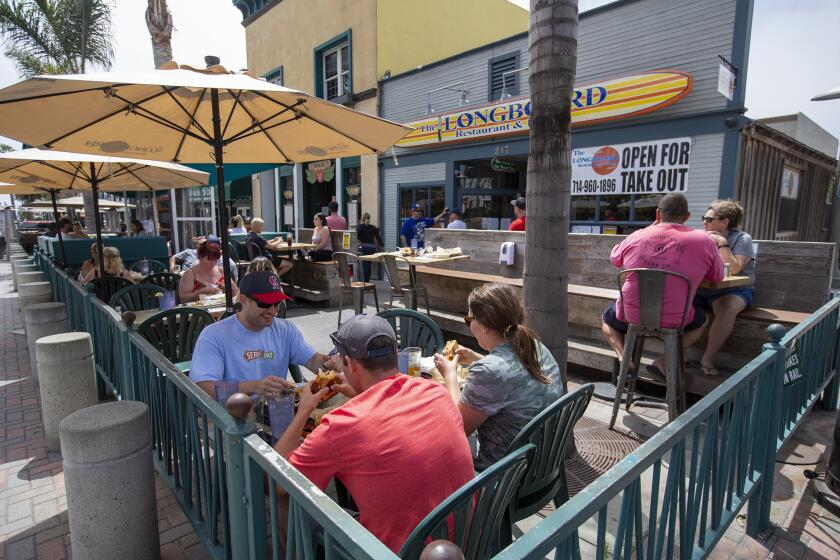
{"points": [[183, 114], [50, 171], [827, 95]]}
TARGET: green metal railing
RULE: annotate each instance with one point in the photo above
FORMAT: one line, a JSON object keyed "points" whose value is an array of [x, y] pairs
{"points": [[674, 496]]}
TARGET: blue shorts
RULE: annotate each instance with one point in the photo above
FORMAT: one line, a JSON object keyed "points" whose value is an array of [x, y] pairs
{"points": [[706, 299], [610, 318]]}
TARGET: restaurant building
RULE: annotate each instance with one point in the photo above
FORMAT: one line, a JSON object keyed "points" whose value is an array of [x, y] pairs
{"points": [[340, 50], [658, 107]]}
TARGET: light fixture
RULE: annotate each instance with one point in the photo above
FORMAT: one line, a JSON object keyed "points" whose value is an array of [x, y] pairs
{"points": [[457, 86], [505, 94]]}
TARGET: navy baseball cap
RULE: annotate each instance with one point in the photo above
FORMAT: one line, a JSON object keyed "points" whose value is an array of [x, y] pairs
{"points": [[354, 336], [262, 286], [417, 207]]}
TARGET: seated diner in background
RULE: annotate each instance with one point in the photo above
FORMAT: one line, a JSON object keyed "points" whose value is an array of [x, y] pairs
{"points": [[519, 211], [398, 444], [509, 386], [721, 221], [206, 276], [113, 266], [136, 229], [252, 347], [370, 242], [669, 245], [321, 239], [188, 258], [255, 237], [77, 232], [237, 225], [91, 263]]}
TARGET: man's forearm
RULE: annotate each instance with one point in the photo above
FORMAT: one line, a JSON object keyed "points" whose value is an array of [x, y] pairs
{"points": [[316, 362]]}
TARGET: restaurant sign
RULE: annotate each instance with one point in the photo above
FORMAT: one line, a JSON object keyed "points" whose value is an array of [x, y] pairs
{"points": [[657, 167], [618, 98]]}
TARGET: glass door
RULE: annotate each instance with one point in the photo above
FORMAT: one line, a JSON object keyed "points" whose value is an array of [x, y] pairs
{"points": [[430, 198]]}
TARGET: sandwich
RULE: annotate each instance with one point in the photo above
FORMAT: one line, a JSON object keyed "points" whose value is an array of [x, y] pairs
{"points": [[325, 379], [450, 349]]}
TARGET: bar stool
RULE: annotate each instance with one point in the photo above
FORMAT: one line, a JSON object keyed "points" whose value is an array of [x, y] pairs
{"points": [[343, 262], [651, 290]]}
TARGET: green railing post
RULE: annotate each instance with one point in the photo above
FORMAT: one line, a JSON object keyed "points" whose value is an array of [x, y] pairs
{"points": [[764, 456], [238, 405], [831, 396], [90, 327]]}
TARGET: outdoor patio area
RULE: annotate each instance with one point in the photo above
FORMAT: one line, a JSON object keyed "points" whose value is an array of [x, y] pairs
{"points": [[33, 516]]}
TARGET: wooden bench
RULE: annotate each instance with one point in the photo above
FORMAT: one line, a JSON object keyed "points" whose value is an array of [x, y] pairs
{"points": [[448, 289]]}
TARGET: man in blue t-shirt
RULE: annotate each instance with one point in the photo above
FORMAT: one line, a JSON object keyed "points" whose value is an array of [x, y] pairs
{"points": [[253, 346], [414, 228]]}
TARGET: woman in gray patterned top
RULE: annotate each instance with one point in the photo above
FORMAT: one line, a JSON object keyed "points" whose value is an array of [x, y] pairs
{"points": [[508, 387], [721, 221]]}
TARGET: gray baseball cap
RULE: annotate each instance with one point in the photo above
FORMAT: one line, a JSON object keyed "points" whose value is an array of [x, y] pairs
{"points": [[354, 336]]}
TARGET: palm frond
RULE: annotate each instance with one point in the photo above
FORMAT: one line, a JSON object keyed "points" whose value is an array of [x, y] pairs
{"points": [[25, 28]]}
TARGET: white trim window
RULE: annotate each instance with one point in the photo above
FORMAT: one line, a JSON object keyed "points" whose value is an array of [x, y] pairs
{"points": [[336, 63]]}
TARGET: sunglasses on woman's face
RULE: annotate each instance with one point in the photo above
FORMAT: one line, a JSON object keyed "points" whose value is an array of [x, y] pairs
{"points": [[468, 319], [710, 219]]}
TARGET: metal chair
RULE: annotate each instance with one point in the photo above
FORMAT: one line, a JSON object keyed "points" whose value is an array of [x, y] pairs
{"points": [[174, 332], [105, 288], [253, 250], [476, 511], [147, 266], [544, 480], [343, 262], [136, 297], [400, 290], [415, 329], [165, 280], [651, 289]]}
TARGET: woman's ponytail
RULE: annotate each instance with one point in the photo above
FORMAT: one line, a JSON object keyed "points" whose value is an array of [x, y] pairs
{"points": [[526, 347]]}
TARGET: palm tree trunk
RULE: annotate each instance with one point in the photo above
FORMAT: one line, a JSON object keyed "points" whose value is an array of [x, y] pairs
{"points": [[553, 48], [159, 22]]}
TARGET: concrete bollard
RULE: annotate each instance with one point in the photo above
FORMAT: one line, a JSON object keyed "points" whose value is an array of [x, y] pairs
{"points": [[43, 319], [110, 482], [20, 268], [34, 292], [67, 379], [31, 276]]}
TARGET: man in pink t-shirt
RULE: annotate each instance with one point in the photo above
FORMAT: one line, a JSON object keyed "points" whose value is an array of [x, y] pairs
{"points": [[334, 221], [398, 444], [666, 245]]}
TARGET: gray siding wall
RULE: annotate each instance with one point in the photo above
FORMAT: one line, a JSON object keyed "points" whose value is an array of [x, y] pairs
{"points": [[392, 177], [626, 39], [703, 175]]}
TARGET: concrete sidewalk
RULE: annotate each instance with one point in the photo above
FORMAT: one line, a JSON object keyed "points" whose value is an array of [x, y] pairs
{"points": [[33, 504]]}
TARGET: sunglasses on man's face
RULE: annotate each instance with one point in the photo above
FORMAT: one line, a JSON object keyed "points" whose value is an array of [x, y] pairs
{"points": [[263, 305]]}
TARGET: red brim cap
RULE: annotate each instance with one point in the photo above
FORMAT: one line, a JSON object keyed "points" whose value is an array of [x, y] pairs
{"points": [[269, 297]]}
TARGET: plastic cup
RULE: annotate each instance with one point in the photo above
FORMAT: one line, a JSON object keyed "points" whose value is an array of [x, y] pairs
{"points": [[224, 390], [414, 355], [402, 361], [281, 409]]}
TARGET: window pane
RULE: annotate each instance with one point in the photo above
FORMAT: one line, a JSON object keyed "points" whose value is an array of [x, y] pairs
{"points": [[194, 203], [345, 58], [616, 208], [406, 199], [332, 88], [330, 65], [484, 211], [480, 174], [345, 83], [188, 230], [646, 208], [438, 202], [583, 208]]}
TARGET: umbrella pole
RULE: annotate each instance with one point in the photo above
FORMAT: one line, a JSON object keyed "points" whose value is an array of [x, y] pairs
{"points": [[94, 184], [220, 188], [60, 237]]}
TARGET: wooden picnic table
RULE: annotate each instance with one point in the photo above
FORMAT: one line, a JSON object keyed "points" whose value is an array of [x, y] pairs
{"points": [[726, 283], [413, 262]]}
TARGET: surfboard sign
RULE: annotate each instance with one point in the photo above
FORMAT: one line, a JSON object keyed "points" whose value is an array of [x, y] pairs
{"points": [[617, 98]]}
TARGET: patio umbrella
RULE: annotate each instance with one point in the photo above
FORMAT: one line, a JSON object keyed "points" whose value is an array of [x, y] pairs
{"points": [[21, 190], [183, 114], [827, 95], [52, 171], [79, 202]]}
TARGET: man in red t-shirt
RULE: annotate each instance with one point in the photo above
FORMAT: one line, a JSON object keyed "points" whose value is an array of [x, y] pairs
{"points": [[519, 211], [398, 444]]}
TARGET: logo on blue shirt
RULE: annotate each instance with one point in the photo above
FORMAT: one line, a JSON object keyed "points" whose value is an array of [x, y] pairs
{"points": [[257, 354]]}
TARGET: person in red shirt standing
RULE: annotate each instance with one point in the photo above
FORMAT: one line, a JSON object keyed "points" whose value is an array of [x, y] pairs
{"points": [[398, 444], [519, 211]]}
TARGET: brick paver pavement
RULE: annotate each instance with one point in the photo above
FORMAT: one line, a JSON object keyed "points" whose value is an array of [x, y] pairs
{"points": [[33, 505]]}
